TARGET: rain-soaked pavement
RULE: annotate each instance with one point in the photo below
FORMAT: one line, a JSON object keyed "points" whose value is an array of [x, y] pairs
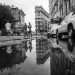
{"points": [[39, 56]]}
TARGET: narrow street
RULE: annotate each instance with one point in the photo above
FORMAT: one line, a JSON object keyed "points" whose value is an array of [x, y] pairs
{"points": [[37, 37]]}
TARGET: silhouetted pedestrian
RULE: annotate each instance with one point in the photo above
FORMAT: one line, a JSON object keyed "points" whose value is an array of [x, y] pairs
{"points": [[25, 30], [29, 32]]}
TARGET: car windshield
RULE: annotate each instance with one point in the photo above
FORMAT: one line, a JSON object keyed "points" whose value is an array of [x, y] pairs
{"points": [[67, 19]]}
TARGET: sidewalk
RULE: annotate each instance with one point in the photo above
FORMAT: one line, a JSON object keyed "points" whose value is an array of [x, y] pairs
{"points": [[9, 38]]}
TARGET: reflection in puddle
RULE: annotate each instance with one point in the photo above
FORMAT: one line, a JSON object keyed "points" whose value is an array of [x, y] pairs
{"points": [[63, 58], [42, 50], [12, 55], [7, 60], [31, 57]]}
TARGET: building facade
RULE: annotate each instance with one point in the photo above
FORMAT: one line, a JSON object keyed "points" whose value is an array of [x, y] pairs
{"points": [[19, 17], [41, 19], [60, 8], [52, 3]]}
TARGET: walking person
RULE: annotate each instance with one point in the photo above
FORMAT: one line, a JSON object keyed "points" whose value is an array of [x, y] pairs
{"points": [[25, 30], [29, 32]]}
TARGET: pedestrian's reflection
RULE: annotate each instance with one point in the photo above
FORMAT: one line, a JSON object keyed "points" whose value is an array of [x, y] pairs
{"points": [[26, 47], [29, 45]]}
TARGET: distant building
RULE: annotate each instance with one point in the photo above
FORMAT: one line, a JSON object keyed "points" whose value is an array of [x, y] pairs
{"points": [[41, 19], [19, 16]]}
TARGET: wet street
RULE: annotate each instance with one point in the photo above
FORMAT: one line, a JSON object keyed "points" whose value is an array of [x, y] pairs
{"points": [[38, 56]]}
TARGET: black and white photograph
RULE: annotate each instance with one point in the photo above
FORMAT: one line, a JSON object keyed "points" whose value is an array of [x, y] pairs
{"points": [[37, 37]]}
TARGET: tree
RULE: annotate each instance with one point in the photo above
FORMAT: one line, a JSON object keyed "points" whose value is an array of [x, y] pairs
{"points": [[5, 16]]}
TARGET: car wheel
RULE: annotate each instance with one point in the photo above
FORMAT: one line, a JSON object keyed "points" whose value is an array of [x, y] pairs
{"points": [[57, 33], [48, 35], [70, 31]]}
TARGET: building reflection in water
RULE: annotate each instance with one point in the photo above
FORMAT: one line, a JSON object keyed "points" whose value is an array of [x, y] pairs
{"points": [[42, 51], [11, 55], [61, 63]]}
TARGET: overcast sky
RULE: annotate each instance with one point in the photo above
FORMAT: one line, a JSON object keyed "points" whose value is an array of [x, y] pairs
{"points": [[28, 7]]}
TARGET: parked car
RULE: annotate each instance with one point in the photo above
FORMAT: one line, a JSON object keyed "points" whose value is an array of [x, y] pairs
{"points": [[54, 30], [67, 26]]}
